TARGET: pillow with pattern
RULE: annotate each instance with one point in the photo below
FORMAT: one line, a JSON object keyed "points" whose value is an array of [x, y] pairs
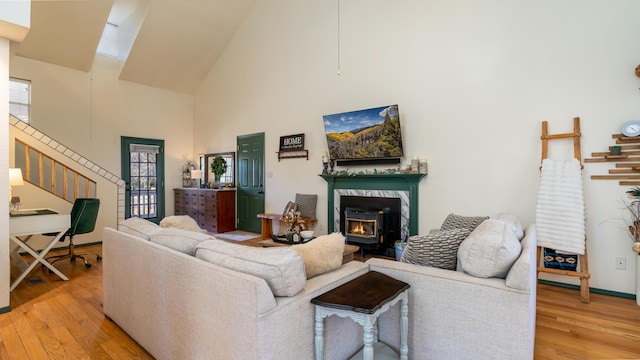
{"points": [[307, 204], [454, 221], [436, 250]]}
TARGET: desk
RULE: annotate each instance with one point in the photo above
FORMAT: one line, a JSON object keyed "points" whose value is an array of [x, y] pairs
{"points": [[363, 299], [32, 222]]}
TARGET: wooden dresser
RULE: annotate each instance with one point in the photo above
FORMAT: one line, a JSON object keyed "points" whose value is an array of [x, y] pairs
{"points": [[213, 209]]}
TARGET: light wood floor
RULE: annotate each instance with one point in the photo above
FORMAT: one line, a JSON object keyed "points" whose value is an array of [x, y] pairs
{"points": [[63, 320]]}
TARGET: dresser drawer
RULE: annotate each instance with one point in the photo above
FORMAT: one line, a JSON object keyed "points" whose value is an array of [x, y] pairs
{"points": [[212, 209]]}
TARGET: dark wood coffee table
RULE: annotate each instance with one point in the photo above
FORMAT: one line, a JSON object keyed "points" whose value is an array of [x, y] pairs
{"points": [[363, 299]]}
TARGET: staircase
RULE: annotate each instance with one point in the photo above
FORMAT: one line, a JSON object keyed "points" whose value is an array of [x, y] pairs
{"points": [[57, 178]]}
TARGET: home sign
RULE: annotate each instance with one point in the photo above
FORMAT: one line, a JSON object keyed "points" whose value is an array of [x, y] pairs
{"points": [[292, 142]]}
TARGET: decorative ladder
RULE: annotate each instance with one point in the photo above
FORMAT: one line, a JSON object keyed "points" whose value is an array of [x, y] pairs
{"points": [[583, 273]]}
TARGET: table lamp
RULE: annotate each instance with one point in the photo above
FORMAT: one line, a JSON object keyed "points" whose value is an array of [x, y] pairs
{"points": [[196, 175], [15, 179]]}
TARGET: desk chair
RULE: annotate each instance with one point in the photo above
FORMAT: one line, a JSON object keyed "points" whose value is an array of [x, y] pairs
{"points": [[83, 220]]}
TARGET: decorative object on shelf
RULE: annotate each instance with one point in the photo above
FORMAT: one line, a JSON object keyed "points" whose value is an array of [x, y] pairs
{"points": [[424, 166], [631, 128], [638, 71], [332, 166], [415, 164], [292, 146], [292, 218], [325, 163], [616, 150], [218, 168], [186, 174]]}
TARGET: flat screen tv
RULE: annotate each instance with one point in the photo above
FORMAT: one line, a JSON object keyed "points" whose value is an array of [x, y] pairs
{"points": [[362, 137]]}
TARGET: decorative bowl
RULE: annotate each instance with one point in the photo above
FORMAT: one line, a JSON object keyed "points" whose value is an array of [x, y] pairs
{"points": [[307, 234]]}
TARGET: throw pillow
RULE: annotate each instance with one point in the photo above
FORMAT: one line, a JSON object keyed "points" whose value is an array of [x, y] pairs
{"points": [[519, 276], [307, 204], [184, 222], [454, 221], [281, 267], [436, 250], [322, 254], [490, 250], [138, 227], [180, 240], [513, 221]]}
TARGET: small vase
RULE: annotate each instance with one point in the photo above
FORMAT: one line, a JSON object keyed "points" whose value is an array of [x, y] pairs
{"points": [[636, 247]]}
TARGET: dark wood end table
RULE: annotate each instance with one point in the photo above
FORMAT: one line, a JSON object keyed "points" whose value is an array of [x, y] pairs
{"points": [[363, 299]]}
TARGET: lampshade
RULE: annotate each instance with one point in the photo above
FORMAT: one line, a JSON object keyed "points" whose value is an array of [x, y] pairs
{"points": [[15, 177], [196, 174]]}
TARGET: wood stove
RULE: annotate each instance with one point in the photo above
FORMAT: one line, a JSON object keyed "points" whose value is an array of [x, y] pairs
{"points": [[365, 228]]}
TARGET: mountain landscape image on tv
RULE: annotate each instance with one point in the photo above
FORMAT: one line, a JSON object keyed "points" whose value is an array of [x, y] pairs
{"points": [[371, 134]]}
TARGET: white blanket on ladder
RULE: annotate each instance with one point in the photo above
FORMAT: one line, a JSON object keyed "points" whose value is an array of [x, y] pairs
{"points": [[560, 212]]}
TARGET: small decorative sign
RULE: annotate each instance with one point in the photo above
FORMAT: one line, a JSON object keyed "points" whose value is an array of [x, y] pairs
{"points": [[292, 142]]}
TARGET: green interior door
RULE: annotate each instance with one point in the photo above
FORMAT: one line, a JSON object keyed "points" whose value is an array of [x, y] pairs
{"points": [[250, 188]]}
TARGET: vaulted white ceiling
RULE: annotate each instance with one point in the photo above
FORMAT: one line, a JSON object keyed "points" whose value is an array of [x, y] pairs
{"points": [[168, 44]]}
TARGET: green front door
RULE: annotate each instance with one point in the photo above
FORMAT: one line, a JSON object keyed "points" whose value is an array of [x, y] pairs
{"points": [[250, 198]]}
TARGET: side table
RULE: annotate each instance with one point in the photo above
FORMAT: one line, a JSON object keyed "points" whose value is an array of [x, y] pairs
{"points": [[363, 300]]}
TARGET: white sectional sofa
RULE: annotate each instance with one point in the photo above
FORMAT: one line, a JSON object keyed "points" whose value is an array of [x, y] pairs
{"points": [[454, 315], [178, 306]]}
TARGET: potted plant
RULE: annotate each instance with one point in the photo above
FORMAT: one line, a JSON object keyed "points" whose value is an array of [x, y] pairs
{"points": [[633, 221], [218, 167]]}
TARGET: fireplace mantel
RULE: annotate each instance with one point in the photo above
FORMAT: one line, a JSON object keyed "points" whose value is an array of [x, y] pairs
{"points": [[396, 182]]}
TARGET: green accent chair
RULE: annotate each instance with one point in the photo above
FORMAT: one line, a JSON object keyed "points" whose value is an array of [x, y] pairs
{"points": [[83, 220]]}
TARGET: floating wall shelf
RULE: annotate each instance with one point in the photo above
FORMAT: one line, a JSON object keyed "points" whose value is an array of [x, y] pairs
{"points": [[627, 164], [293, 154]]}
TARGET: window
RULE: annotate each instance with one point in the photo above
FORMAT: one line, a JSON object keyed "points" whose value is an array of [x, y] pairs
{"points": [[20, 99], [143, 180], [109, 41]]}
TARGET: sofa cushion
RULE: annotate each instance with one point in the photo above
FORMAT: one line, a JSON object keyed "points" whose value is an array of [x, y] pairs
{"points": [[490, 250], [322, 254], [436, 249], [306, 204], [139, 227], [179, 240], [454, 221], [281, 267], [519, 276], [513, 221], [184, 222]]}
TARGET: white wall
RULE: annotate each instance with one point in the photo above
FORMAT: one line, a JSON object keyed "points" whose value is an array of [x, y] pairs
{"points": [[89, 112], [4, 169], [473, 80]]}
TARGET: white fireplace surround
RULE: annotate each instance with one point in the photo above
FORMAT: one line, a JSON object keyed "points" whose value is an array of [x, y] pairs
{"points": [[393, 194]]}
